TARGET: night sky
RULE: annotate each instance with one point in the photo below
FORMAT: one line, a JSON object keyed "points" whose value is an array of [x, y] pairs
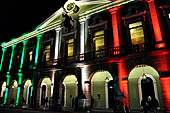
{"points": [[21, 16]]}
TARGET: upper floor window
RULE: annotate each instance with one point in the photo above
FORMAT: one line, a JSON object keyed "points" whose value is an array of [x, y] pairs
{"points": [[136, 33], [70, 45], [30, 56], [47, 52], [98, 40]]}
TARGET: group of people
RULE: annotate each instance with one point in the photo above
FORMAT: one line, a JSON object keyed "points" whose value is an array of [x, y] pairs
{"points": [[149, 104]]}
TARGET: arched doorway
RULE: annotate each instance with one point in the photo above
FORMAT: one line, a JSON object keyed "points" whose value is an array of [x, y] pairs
{"points": [[45, 91], [12, 94], [102, 94], [143, 81], [147, 88], [69, 91], [26, 100], [111, 93], [3, 88], [43, 94]]}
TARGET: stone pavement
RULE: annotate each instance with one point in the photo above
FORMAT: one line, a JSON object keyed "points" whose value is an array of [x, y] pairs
{"points": [[11, 109]]}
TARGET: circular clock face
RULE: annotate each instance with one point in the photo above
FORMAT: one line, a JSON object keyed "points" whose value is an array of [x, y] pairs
{"points": [[70, 6]]}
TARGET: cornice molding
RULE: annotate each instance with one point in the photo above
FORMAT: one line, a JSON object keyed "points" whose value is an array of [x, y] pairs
{"points": [[31, 35], [101, 8]]}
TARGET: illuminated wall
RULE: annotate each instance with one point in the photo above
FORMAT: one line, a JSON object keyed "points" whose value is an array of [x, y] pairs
{"points": [[71, 90], [99, 89], [135, 95]]}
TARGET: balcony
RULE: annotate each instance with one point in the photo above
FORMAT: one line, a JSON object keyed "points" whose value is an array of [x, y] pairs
{"points": [[96, 55]]}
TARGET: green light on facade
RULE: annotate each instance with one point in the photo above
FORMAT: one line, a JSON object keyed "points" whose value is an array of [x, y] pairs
{"points": [[12, 54], [6, 94], [20, 78], [31, 91], [2, 58], [18, 94], [23, 53], [12, 39], [7, 80], [37, 49], [24, 34], [3, 43], [38, 27]]}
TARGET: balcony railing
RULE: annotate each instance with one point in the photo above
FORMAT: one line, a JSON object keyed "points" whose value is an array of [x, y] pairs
{"points": [[104, 53]]}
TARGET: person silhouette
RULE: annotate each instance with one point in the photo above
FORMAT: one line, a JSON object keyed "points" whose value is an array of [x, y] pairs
{"points": [[152, 104], [46, 101], [144, 105]]}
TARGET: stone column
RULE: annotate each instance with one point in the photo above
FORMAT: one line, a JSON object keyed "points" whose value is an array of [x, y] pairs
{"points": [[2, 57], [37, 50], [115, 26], [156, 24], [57, 43], [83, 36]]}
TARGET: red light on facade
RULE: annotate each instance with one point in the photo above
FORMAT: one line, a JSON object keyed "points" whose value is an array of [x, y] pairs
{"points": [[161, 45], [155, 22], [125, 92], [165, 82], [123, 84], [115, 29]]}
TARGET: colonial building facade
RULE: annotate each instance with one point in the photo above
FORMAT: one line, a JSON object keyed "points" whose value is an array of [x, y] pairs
{"points": [[91, 50]]}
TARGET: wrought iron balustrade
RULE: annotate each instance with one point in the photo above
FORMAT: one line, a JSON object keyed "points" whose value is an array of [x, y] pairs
{"points": [[103, 53]]}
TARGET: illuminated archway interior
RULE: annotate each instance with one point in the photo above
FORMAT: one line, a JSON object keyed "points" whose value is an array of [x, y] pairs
{"points": [[3, 88], [135, 79], [99, 89], [70, 93], [27, 91], [13, 92], [45, 91]]}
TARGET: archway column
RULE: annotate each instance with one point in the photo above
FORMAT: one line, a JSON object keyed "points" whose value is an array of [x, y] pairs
{"points": [[34, 89], [19, 88], [7, 88]]}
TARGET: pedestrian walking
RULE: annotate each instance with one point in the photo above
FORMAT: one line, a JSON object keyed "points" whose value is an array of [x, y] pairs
{"points": [[152, 104], [46, 101], [76, 104], [144, 105], [73, 102], [59, 104]]}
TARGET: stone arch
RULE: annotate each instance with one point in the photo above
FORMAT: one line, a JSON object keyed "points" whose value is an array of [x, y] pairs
{"points": [[12, 92], [44, 81], [134, 84], [70, 83], [99, 88], [3, 88], [26, 92], [61, 75]]}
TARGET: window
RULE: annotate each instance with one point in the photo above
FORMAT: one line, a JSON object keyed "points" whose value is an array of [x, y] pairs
{"points": [[30, 56], [169, 15], [70, 45], [47, 53], [99, 40], [136, 33]]}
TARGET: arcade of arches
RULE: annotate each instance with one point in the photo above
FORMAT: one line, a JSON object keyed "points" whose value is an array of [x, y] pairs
{"points": [[143, 81]]}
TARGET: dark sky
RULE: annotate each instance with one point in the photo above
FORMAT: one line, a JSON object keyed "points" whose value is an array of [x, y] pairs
{"points": [[21, 16]]}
